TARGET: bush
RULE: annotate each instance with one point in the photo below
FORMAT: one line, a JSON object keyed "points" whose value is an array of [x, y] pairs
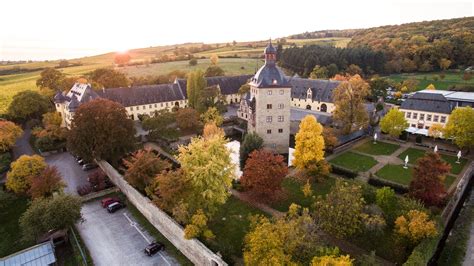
{"points": [[47, 143], [84, 190], [344, 172], [422, 253], [5, 160], [401, 189]]}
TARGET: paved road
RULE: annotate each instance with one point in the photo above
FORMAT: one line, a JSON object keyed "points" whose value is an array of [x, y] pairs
{"points": [[22, 145], [71, 172], [115, 239]]}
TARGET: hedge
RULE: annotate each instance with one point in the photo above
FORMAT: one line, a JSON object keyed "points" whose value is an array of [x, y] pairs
{"points": [[344, 172], [5, 160], [378, 182], [423, 252]]}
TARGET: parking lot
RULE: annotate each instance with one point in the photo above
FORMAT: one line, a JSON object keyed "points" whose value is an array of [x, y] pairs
{"points": [[116, 239], [70, 170]]}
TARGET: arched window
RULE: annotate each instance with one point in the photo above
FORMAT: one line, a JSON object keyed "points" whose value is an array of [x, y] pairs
{"points": [[308, 107], [324, 107], [176, 104]]}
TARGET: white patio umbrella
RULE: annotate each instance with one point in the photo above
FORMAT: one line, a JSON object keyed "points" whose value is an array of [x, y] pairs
{"points": [[406, 162]]}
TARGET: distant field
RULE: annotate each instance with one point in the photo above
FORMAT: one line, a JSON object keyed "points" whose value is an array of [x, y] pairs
{"points": [[425, 79], [231, 66], [336, 41]]}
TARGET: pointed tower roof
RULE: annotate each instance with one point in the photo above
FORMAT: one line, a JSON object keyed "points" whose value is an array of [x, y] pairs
{"points": [[73, 104]]}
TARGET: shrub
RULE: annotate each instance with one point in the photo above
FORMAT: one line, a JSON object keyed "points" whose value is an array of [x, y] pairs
{"points": [[5, 160], [400, 189], [84, 190], [338, 170]]}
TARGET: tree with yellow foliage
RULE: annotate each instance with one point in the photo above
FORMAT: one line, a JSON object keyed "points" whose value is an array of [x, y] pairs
{"points": [[214, 59], [309, 147], [431, 87], [415, 226], [329, 260], [210, 129], [198, 227], [460, 127], [212, 115], [394, 122], [9, 133], [436, 131], [23, 168]]}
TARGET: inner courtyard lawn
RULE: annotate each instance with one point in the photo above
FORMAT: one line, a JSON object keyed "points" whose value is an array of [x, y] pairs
{"points": [[400, 175], [229, 225], [294, 194], [415, 154], [379, 148], [354, 161]]}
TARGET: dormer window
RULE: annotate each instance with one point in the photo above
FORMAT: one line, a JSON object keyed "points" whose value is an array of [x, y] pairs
{"points": [[309, 94]]}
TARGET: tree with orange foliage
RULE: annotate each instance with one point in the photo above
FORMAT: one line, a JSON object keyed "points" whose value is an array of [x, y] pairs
{"points": [[46, 183], [9, 133], [415, 226], [427, 184], [263, 174], [143, 167], [187, 118]]}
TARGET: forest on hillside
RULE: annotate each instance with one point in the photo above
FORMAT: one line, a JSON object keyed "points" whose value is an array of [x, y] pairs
{"points": [[414, 47]]}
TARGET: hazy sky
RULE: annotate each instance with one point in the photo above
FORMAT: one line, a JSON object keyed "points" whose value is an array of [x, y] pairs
{"points": [[53, 29]]}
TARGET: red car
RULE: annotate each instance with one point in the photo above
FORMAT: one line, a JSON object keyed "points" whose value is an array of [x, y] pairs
{"points": [[107, 201]]}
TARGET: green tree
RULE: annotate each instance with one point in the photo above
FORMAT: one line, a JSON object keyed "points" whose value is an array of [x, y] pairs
{"points": [[50, 78], [378, 88], [349, 99], [193, 62], [9, 133], [45, 214], [460, 127], [340, 212], [309, 147], [143, 167], [252, 141], [187, 119], [101, 130], [21, 170], [160, 124], [109, 78], [206, 164], [354, 70], [394, 122], [332, 70], [214, 71], [212, 115], [196, 83], [319, 73], [28, 105], [387, 201]]}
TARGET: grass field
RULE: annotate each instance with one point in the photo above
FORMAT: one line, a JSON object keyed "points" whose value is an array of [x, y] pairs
{"points": [[415, 154], [230, 224], [425, 79], [400, 175], [354, 161], [10, 234], [380, 148], [294, 194]]}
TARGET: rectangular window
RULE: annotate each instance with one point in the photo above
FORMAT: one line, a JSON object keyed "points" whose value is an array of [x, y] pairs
{"points": [[150, 106], [269, 106], [443, 119], [269, 92], [422, 116], [281, 106], [428, 117], [280, 118], [161, 104], [413, 125], [144, 107], [282, 92], [166, 104], [269, 131], [280, 130], [408, 114], [155, 105], [415, 115], [427, 127], [131, 108], [269, 119], [435, 118]]}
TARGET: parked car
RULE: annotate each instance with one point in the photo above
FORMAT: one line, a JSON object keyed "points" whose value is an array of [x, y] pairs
{"points": [[89, 166], [153, 248], [115, 207], [107, 201], [81, 161]]}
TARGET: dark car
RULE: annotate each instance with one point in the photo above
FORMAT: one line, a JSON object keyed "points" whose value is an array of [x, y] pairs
{"points": [[81, 161], [89, 166], [115, 207], [107, 201], [154, 247]]}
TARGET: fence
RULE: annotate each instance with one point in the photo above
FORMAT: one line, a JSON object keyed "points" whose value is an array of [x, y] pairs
{"points": [[193, 249]]}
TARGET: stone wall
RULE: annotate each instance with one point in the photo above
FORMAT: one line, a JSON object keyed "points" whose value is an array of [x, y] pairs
{"points": [[193, 249]]}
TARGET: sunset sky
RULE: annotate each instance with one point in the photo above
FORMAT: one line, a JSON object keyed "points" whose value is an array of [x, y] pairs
{"points": [[51, 29]]}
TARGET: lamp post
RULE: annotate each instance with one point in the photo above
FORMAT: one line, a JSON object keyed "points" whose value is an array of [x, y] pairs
{"points": [[459, 157], [406, 162], [375, 138]]}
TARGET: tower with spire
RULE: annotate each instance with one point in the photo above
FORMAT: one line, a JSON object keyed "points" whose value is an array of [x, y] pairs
{"points": [[269, 101]]}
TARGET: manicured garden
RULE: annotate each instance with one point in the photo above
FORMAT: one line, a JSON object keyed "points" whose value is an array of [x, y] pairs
{"points": [[354, 161], [400, 175], [378, 148], [294, 194], [414, 154], [229, 225]]}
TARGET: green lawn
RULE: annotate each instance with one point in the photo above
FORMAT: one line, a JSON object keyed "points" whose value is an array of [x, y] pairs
{"points": [[400, 175], [294, 194], [379, 148], [425, 79], [230, 224], [10, 234], [414, 154], [354, 161]]}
